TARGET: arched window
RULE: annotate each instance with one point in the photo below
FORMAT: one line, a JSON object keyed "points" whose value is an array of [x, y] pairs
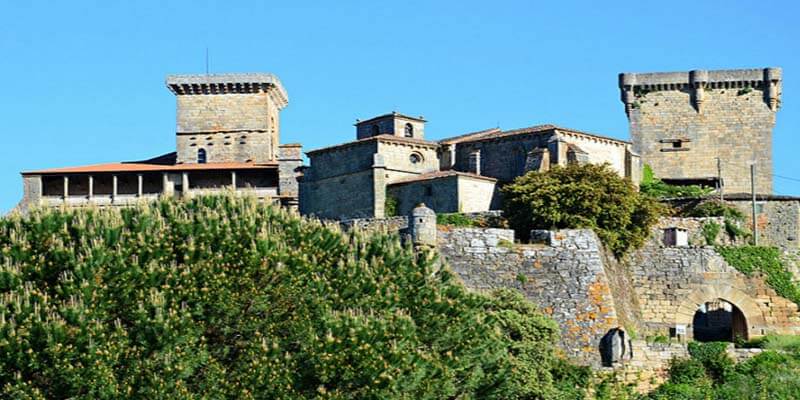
{"points": [[201, 156], [376, 130], [409, 130]]}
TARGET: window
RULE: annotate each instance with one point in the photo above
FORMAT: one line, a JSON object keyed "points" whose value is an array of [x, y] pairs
{"points": [[409, 130], [376, 130], [677, 145], [415, 158], [201, 156]]}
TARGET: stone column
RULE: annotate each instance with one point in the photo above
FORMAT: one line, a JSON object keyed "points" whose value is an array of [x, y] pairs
{"points": [[233, 180], [91, 187], [185, 184], [66, 188], [140, 184], [114, 188]]}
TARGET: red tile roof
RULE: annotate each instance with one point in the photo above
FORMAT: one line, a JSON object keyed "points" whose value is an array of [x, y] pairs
{"points": [[145, 167], [383, 138]]}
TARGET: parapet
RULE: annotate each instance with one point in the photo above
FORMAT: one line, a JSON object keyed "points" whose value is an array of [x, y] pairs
{"points": [[696, 81], [228, 84]]}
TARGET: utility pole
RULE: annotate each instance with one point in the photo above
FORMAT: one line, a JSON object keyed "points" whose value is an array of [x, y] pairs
{"points": [[719, 180], [753, 193]]}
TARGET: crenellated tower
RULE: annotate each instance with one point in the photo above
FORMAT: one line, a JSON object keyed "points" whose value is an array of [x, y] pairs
{"points": [[228, 117], [681, 123]]}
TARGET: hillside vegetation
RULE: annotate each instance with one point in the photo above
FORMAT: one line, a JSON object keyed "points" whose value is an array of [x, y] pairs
{"points": [[220, 297]]}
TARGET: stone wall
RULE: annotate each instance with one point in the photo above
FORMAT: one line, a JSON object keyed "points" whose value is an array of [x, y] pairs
{"points": [[680, 123], [566, 278], [672, 283], [229, 127], [778, 221], [446, 194], [340, 197]]}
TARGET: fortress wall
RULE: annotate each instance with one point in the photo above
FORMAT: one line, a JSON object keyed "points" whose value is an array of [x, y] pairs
{"points": [[778, 221], [671, 283], [566, 278]]}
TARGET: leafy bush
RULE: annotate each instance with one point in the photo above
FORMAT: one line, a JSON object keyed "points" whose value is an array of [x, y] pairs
{"points": [[711, 231], [390, 206], [713, 357], [455, 219], [655, 187], [581, 196], [220, 297], [715, 208], [766, 260]]}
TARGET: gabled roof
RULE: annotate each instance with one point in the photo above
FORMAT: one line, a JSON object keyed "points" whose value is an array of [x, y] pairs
{"points": [[379, 138], [470, 136], [493, 134], [391, 114], [441, 174]]}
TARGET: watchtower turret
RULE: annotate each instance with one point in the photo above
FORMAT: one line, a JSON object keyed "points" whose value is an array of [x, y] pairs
{"points": [[690, 125]]}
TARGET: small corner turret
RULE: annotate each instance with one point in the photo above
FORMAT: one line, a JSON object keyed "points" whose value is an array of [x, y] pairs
{"points": [[394, 123]]}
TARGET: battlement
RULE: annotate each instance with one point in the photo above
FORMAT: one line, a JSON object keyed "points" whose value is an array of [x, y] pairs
{"points": [[228, 84], [705, 126], [767, 79]]}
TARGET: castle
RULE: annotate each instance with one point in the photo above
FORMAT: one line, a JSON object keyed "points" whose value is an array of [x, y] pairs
{"points": [[698, 127]]}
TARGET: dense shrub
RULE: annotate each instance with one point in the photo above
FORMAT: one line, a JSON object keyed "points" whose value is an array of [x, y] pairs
{"points": [[581, 196], [769, 375], [655, 187], [766, 260], [713, 357], [219, 297]]}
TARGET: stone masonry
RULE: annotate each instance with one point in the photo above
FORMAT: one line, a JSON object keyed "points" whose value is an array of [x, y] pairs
{"points": [[564, 276], [682, 122], [234, 117]]}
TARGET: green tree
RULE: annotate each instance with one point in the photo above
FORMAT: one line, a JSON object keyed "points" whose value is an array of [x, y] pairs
{"points": [[220, 297], [581, 196]]}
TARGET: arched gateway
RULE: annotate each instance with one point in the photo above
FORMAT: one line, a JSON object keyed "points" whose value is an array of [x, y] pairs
{"points": [[717, 312]]}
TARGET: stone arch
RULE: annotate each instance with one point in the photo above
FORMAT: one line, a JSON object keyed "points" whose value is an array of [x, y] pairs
{"points": [[756, 324]]}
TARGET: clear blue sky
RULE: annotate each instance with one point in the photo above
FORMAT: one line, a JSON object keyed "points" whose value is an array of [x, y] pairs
{"points": [[83, 82]]}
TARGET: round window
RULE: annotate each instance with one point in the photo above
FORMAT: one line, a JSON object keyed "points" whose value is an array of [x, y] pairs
{"points": [[415, 158]]}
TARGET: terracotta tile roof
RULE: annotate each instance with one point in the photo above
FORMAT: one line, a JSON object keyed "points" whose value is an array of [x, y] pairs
{"points": [[441, 174], [498, 134], [144, 167], [382, 138]]}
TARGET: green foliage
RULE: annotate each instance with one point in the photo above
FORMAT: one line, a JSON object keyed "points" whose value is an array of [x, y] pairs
{"points": [[390, 206], [713, 357], [790, 343], [655, 187], [711, 231], [715, 208], [468, 221], [766, 260], [658, 339], [581, 196], [220, 297], [455, 219]]}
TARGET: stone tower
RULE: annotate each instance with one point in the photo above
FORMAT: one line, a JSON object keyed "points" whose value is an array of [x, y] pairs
{"points": [[681, 122], [228, 117], [393, 123]]}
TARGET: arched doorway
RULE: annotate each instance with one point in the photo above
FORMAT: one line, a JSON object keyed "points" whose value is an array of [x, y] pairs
{"points": [[719, 321]]}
